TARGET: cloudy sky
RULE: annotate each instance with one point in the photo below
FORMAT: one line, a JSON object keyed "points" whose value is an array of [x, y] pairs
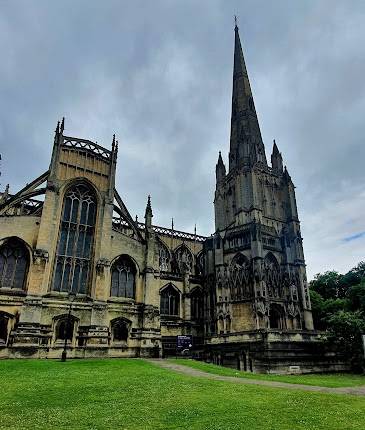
{"points": [[159, 75]]}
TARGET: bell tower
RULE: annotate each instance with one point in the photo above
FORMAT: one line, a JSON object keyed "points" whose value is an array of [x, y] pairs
{"points": [[256, 255]]}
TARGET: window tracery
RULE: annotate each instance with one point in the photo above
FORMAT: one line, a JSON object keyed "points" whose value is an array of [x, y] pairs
{"points": [[76, 239], [184, 259], [170, 301], [240, 277], [123, 278], [272, 276], [163, 258], [14, 262]]}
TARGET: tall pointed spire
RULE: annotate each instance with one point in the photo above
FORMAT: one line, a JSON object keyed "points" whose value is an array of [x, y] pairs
{"points": [[246, 146], [276, 159], [220, 169]]}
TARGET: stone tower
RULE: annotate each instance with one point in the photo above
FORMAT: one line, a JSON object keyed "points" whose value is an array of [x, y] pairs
{"points": [[255, 264]]}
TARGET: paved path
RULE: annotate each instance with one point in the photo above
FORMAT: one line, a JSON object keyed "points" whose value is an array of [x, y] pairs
{"points": [[356, 391]]}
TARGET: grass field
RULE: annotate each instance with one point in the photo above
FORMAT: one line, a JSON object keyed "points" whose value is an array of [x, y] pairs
{"points": [[135, 394], [322, 380]]}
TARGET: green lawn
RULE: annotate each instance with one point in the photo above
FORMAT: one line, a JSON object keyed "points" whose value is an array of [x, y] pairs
{"points": [[322, 379], [134, 394]]}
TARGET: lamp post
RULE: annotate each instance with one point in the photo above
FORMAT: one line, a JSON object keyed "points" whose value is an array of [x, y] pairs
{"points": [[71, 298]]}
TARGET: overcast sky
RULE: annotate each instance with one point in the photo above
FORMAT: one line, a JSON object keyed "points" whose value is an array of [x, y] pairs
{"points": [[159, 75]]}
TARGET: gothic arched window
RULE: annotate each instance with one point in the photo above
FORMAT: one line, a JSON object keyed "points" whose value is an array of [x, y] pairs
{"points": [[123, 278], [184, 259], [163, 258], [240, 277], [14, 262], [170, 301], [197, 304], [76, 240]]}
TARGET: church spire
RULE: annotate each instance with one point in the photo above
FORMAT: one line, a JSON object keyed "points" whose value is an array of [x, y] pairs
{"points": [[220, 169], [246, 145]]}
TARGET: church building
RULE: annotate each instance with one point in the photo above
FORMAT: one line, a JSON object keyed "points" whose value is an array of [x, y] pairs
{"points": [[77, 270]]}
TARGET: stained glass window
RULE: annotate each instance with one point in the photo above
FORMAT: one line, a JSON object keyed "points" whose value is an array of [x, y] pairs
{"points": [[75, 243]]}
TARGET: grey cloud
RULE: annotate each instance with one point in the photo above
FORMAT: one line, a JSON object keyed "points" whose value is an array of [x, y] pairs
{"points": [[158, 74]]}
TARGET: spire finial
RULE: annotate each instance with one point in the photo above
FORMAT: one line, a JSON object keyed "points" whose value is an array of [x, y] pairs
{"points": [[275, 148], [172, 223], [62, 125], [149, 207], [235, 22], [113, 142], [57, 128]]}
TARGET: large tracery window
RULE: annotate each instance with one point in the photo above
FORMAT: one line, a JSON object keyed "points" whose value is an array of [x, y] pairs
{"points": [[76, 239], [240, 277], [14, 262], [123, 278], [170, 301]]}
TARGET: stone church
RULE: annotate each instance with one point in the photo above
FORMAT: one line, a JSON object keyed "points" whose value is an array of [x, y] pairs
{"points": [[77, 269]]}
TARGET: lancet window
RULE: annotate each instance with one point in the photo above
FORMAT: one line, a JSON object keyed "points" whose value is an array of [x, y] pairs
{"points": [[123, 278], [14, 262], [75, 242], [170, 301]]}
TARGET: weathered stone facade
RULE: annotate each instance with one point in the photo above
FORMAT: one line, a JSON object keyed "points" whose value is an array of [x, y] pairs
{"points": [[130, 288]]}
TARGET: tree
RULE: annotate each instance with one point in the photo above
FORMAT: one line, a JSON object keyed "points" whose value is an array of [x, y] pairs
{"points": [[346, 329], [356, 297], [327, 284]]}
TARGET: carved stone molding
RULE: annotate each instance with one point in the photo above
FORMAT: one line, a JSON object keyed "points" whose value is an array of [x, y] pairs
{"points": [[101, 264], [40, 256]]}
